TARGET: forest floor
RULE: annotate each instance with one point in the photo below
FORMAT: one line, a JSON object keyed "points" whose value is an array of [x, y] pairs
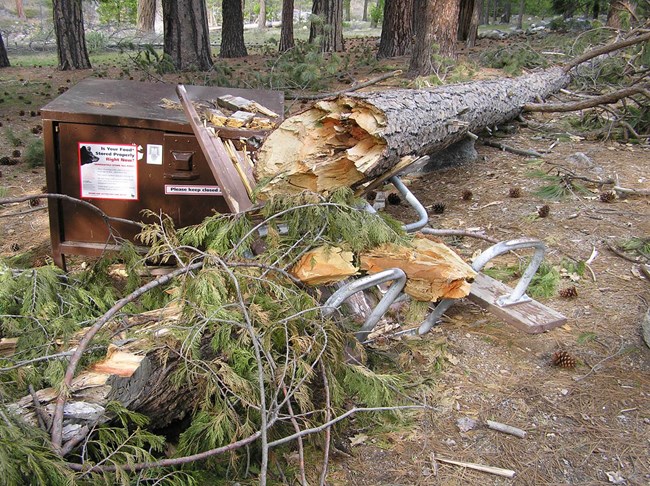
{"points": [[586, 425]]}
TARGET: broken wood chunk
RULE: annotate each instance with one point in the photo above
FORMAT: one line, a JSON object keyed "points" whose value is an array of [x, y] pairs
{"points": [[324, 265], [8, 346], [237, 103], [239, 119], [433, 270], [216, 117]]}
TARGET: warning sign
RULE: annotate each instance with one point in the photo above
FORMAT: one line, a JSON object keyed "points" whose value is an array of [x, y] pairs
{"points": [[186, 190], [108, 171]]}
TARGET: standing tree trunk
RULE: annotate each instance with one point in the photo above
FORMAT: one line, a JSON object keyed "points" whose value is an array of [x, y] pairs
{"points": [[286, 31], [466, 21], [232, 31], [507, 12], [187, 38], [435, 23], [331, 32], [520, 18], [347, 8], [317, 20], [365, 11], [621, 13], [70, 36], [4, 59], [261, 20], [20, 10], [396, 30], [146, 16]]}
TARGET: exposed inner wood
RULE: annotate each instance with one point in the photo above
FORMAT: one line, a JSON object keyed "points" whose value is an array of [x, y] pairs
{"points": [[433, 270]]}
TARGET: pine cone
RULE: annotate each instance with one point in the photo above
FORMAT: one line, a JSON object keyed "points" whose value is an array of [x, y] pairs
{"points": [[569, 292], [607, 196], [393, 199], [438, 208], [564, 360], [467, 195], [543, 211], [514, 192]]}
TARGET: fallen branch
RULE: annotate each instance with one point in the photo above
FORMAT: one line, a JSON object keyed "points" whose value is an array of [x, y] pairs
{"points": [[634, 192], [606, 50], [354, 87], [506, 429], [605, 99], [507, 473], [508, 148]]}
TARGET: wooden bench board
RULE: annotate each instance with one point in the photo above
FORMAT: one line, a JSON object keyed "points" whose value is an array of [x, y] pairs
{"points": [[531, 317]]}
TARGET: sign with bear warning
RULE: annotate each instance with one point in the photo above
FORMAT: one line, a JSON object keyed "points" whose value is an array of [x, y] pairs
{"points": [[108, 171]]}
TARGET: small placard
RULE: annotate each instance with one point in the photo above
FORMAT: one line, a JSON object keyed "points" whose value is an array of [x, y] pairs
{"points": [[191, 190], [154, 154]]}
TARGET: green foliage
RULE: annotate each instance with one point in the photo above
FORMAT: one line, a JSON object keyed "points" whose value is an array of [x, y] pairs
{"points": [[545, 282], [118, 11], [377, 13], [513, 59], [638, 246], [150, 60], [559, 185], [34, 153], [96, 41], [586, 337], [543, 285], [303, 67], [13, 139], [26, 456]]}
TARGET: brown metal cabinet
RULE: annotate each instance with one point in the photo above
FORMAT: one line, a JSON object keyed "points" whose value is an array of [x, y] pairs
{"points": [[118, 146]]}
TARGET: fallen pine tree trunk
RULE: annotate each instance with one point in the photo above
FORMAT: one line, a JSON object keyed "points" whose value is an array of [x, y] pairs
{"points": [[357, 137], [360, 136]]}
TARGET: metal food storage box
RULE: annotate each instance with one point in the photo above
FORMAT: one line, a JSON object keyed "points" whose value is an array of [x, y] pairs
{"points": [[113, 144]]}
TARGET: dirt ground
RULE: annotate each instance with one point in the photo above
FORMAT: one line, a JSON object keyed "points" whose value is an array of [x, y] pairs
{"points": [[587, 425]]}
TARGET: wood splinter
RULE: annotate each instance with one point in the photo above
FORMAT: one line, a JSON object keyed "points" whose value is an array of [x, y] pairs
{"points": [[506, 473], [506, 429]]}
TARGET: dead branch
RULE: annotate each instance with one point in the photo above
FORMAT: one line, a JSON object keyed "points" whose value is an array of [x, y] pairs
{"points": [[506, 429], [606, 50], [513, 150], [63, 197], [354, 87], [507, 473], [634, 192], [605, 99], [328, 431]]}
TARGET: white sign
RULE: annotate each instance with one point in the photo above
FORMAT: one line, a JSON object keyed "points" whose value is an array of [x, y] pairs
{"points": [[108, 171], [192, 190], [154, 154]]}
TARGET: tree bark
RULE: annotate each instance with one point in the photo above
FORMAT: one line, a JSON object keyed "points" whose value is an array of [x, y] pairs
{"points": [[132, 374], [355, 138], [396, 30], [4, 59], [365, 10], [146, 20], [232, 31], [286, 31], [520, 17], [332, 39], [618, 10], [261, 20], [20, 10], [70, 36], [187, 38], [468, 19], [435, 23], [317, 22]]}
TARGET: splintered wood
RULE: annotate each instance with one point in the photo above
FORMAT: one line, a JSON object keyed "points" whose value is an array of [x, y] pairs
{"points": [[331, 145], [325, 265], [432, 269]]}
